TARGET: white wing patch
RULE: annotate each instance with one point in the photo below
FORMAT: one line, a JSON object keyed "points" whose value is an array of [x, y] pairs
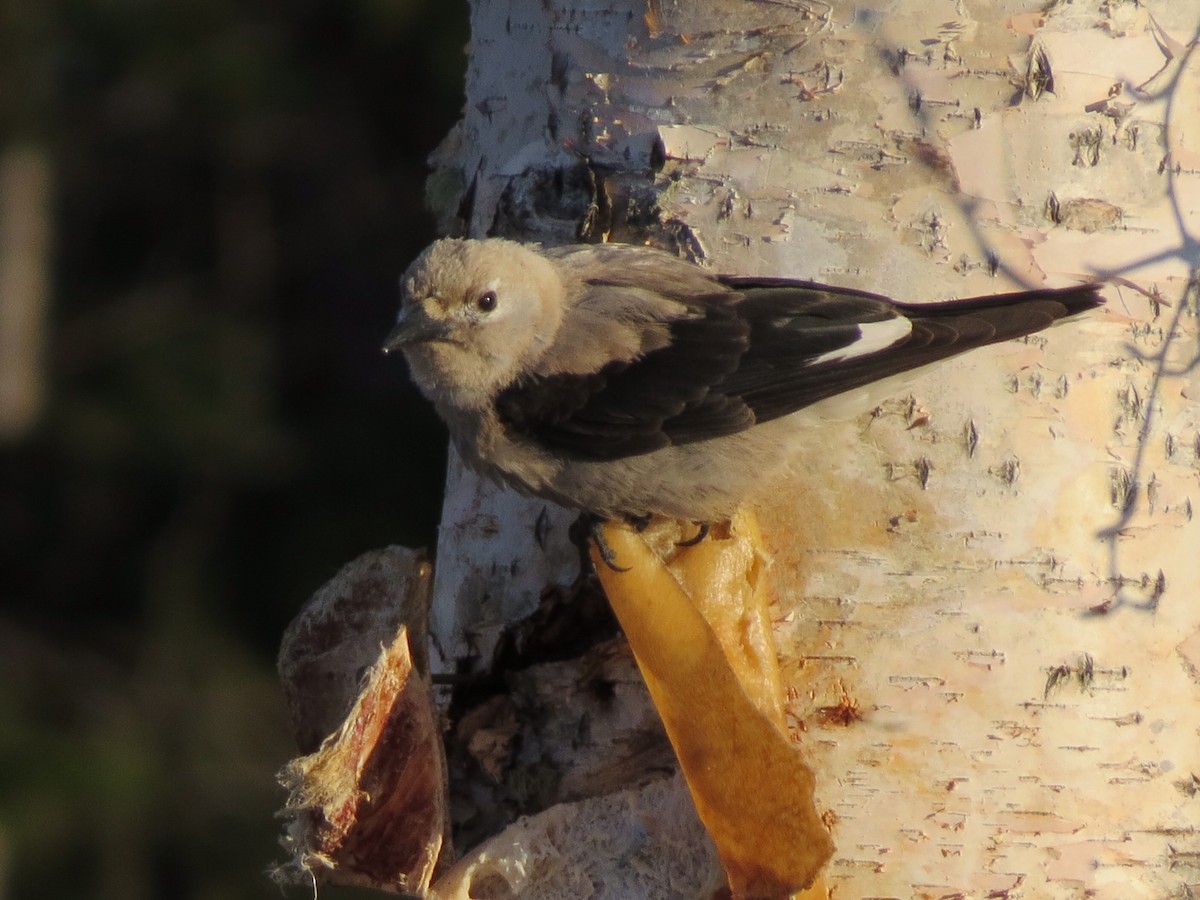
{"points": [[873, 337]]}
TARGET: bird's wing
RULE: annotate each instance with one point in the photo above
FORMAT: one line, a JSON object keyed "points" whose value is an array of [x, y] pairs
{"points": [[634, 402], [750, 351], [779, 376]]}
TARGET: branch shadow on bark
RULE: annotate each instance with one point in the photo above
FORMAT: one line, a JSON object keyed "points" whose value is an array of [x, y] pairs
{"points": [[1130, 485]]}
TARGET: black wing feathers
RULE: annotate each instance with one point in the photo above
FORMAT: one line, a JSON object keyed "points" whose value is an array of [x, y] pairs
{"points": [[939, 331], [751, 356], [668, 396]]}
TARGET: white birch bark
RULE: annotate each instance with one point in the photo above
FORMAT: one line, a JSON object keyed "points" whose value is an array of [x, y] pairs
{"points": [[1000, 569]]}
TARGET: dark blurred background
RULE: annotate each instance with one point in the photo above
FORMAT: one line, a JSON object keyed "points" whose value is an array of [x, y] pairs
{"points": [[197, 428]]}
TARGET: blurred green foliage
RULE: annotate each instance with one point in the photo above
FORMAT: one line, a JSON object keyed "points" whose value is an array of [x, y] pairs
{"points": [[237, 187]]}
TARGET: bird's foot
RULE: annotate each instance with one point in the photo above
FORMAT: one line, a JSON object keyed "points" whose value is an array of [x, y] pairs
{"points": [[639, 523], [589, 527], [700, 535]]}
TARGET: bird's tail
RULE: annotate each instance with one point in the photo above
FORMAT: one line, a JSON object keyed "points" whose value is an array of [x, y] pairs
{"points": [[952, 327], [1000, 317]]}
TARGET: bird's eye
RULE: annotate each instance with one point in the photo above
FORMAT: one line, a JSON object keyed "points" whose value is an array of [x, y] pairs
{"points": [[486, 301]]}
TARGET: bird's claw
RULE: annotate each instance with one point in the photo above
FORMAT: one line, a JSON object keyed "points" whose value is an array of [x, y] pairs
{"points": [[700, 535], [590, 527], [607, 555]]}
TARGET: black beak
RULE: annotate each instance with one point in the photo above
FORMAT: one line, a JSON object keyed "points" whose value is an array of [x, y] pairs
{"points": [[414, 327]]}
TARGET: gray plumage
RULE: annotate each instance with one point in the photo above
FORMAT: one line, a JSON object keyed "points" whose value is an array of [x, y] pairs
{"points": [[621, 380]]}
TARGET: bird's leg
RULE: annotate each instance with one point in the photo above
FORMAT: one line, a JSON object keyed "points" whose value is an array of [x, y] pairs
{"points": [[639, 523], [606, 552], [700, 535], [590, 527], [578, 533]]}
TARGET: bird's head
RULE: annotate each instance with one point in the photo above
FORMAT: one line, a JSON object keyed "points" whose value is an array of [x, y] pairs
{"points": [[473, 316]]}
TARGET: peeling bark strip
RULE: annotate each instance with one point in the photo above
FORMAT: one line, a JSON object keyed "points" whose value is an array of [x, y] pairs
{"points": [[937, 574], [695, 619], [367, 803]]}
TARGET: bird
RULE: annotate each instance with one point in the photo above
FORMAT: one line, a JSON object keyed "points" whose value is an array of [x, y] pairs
{"points": [[623, 381]]}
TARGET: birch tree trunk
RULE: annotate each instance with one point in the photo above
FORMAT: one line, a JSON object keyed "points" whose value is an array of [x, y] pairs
{"points": [[997, 572]]}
